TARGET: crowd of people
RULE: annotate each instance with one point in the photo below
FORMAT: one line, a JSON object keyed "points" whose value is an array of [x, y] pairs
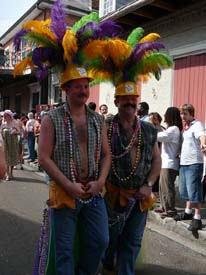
{"points": [[181, 143], [103, 168], [19, 139], [142, 164], [182, 147]]}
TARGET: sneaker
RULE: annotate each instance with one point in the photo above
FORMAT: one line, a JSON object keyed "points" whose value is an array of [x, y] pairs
{"points": [[195, 225], [183, 216]]}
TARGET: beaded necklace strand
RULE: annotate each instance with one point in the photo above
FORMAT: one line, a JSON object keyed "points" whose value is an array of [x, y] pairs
{"points": [[114, 128], [73, 169]]}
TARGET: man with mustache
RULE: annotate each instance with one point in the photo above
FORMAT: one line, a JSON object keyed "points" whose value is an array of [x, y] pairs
{"points": [[136, 164], [76, 157]]}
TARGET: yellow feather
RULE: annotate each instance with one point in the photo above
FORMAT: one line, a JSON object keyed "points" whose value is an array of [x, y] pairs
{"points": [[100, 74], [96, 48], [41, 27], [151, 37], [142, 78], [119, 50], [21, 66], [69, 44]]}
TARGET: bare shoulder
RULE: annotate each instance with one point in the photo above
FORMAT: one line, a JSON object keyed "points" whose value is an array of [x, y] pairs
{"points": [[46, 121]]}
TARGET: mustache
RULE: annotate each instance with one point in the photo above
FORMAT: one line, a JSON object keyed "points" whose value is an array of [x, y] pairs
{"points": [[82, 95], [130, 105]]}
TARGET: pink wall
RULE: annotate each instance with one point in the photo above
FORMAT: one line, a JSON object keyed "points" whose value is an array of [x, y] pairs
{"points": [[190, 83]]}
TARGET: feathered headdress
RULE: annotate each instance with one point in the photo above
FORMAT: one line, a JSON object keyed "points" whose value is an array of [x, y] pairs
{"points": [[53, 45], [124, 62], [91, 44]]}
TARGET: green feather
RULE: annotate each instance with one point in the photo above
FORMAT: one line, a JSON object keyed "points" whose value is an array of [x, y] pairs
{"points": [[88, 63], [92, 17], [98, 81], [40, 40], [157, 60], [135, 36], [152, 63]]}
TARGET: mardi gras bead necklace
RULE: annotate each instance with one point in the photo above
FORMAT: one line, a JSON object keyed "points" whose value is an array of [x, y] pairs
{"points": [[114, 129], [136, 136], [73, 169]]}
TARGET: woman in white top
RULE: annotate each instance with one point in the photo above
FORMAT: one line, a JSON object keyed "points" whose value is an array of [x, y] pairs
{"points": [[171, 143]]}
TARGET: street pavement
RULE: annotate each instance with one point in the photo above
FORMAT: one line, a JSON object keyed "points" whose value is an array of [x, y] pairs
{"points": [[166, 250], [21, 204], [178, 231]]}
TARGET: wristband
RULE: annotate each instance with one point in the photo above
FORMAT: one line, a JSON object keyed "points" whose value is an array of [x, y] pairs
{"points": [[149, 183]]}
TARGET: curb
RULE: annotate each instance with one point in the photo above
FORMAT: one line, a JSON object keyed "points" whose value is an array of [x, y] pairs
{"points": [[30, 168], [177, 231], [35, 169]]}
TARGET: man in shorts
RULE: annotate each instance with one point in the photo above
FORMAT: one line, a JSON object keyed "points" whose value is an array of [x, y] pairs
{"points": [[191, 167]]}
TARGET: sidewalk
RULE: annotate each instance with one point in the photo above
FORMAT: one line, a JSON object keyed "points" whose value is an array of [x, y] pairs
{"points": [[33, 167], [178, 231]]}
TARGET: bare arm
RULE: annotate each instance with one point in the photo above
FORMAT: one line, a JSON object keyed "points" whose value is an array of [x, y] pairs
{"points": [[45, 149], [93, 188], [106, 157], [156, 164], [154, 172], [202, 143]]}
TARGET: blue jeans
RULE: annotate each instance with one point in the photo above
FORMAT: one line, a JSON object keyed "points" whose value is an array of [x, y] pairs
{"points": [[190, 182], [93, 237], [123, 250], [31, 145]]}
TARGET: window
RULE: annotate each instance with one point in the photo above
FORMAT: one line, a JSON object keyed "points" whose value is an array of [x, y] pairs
{"points": [[15, 55], [23, 49], [107, 6], [18, 56], [7, 58]]}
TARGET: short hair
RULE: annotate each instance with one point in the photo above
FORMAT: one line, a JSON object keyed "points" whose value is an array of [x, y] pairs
{"points": [[30, 115], [144, 105], [16, 116], [92, 106], [188, 107], [103, 105]]}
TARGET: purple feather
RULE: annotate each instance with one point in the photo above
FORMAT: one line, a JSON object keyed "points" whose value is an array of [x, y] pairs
{"points": [[18, 38], [109, 29], [140, 49], [88, 31], [41, 55], [47, 54], [58, 20], [95, 30], [44, 58], [42, 73]]}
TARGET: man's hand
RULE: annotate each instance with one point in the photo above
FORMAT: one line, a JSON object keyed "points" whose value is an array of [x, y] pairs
{"points": [[76, 190], [145, 190], [93, 188], [203, 148]]}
